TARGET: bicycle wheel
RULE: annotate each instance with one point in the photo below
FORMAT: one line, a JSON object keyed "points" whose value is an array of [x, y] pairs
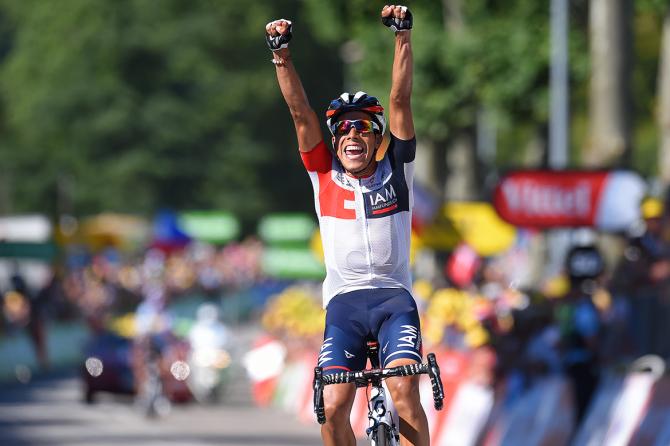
{"points": [[384, 436]]}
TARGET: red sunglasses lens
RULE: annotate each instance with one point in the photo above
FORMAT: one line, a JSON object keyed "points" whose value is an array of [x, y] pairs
{"points": [[361, 126]]}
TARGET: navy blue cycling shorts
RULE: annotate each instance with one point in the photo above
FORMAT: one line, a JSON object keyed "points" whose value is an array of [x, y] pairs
{"points": [[388, 315]]}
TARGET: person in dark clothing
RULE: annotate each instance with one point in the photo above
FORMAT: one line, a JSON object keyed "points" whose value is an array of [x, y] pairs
{"points": [[580, 325], [36, 328], [642, 280]]}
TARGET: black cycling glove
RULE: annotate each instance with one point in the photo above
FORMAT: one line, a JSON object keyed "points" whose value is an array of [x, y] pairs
{"points": [[399, 24], [281, 40]]}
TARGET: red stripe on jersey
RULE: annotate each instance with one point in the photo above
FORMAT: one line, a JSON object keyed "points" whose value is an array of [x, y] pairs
{"points": [[319, 159], [384, 210], [332, 198]]}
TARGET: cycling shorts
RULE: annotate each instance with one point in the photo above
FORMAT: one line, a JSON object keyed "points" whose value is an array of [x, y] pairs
{"points": [[388, 315]]}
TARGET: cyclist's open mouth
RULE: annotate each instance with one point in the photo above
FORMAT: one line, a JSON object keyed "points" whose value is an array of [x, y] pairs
{"points": [[354, 152]]}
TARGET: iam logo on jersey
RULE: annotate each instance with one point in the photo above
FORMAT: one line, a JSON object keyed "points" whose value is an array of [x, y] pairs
{"points": [[391, 198], [410, 338]]}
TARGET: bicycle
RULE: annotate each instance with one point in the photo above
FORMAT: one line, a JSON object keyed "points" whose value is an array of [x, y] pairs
{"points": [[382, 430]]}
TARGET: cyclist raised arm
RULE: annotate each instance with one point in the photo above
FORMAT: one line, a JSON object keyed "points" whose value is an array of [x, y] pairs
{"points": [[278, 34], [364, 208], [401, 122]]}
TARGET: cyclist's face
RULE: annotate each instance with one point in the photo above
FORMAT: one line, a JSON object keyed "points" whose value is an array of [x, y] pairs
{"points": [[356, 150]]}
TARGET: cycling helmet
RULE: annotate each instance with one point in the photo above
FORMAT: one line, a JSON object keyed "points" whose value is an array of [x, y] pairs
{"points": [[584, 262], [360, 101]]}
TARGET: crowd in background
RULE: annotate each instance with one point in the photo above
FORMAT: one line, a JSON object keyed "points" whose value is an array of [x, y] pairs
{"points": [[98, 287], [595, 316], [591, 317]]}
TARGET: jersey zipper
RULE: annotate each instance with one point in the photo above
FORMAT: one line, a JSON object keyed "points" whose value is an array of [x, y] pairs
{"points": [[366, 229]]}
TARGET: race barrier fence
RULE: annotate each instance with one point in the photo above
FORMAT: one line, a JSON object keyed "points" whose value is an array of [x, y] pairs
{"points": [[628, 408]]}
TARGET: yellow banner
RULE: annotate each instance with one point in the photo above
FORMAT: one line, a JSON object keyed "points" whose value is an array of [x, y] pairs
{"points": [[480, 227]]}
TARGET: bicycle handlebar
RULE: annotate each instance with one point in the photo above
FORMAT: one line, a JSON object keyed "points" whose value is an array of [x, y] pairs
{"points": [[362, 378]]}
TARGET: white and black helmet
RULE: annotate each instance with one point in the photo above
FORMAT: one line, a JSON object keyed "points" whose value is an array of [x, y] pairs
{"points": [[360, 101]]}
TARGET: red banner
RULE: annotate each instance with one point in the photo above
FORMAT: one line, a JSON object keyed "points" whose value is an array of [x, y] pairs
{"points": [[607, 200]]}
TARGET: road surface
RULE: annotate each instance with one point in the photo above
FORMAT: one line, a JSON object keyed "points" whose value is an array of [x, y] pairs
{"points": [[49, 411]]}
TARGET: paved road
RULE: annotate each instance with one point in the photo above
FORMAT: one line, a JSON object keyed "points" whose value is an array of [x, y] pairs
{"points": [[49, 411]]}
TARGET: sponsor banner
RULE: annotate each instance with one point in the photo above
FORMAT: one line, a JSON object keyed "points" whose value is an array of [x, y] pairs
{"points": [[286, 229], [292, 263], [462, 266], [26, 236], [454, 368], [606, 200], [25, 228], [210, 226], [467, 415], [264, 364], [435, 417], [304, 390], [480, 227], [21, 250], [287, 394], [103, 230]]}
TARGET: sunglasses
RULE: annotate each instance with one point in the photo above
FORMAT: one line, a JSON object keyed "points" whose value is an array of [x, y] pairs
{"points": [[361, 125]]}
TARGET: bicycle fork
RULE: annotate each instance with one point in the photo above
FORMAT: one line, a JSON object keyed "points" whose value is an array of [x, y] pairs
{"points": [[380, 419]]}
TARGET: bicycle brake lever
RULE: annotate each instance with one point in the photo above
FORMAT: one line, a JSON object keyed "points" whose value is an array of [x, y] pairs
{"points": [[318, 395], [436, 381]]}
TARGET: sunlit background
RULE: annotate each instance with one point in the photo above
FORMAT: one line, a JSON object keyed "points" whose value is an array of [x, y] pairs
{"points": [[159, 249]]}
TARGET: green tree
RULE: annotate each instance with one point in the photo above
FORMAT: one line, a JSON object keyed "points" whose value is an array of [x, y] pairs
{"points": [[469, 56], [136, 105]]}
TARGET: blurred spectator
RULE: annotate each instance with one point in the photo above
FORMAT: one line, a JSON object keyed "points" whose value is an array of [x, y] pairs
{"points": [[642, 281], [35, 318], [153, 331], [208, 331], [462, 266], [542, 356], [580, 325], [646, 259], [152, 316]]}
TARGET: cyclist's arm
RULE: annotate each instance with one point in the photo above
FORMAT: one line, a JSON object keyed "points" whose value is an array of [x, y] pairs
{"points": [[401, 122], [305, 120]]}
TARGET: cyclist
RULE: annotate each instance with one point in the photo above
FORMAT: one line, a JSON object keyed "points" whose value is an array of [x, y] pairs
{"points": [[364, 209]]}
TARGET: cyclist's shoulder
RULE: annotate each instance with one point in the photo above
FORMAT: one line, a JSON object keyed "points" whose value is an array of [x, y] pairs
{"points": [[317, 158], [403, 150]]}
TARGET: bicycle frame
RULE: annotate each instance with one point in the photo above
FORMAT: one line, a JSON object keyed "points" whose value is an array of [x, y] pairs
{"points": [[382, 430], [380, 418]]}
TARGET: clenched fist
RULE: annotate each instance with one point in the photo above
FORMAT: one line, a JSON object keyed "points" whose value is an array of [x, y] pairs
{"points": [[278, 34], [397, 17]]}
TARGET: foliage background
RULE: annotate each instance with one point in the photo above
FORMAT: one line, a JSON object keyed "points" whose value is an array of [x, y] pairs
{"points": [[137, 105]]}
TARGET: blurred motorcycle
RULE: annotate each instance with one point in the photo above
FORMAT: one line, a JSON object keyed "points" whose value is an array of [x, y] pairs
{"points": [[209, 358]]}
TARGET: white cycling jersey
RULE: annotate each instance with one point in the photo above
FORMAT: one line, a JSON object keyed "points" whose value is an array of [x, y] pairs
{"points": [[365, 223]]}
